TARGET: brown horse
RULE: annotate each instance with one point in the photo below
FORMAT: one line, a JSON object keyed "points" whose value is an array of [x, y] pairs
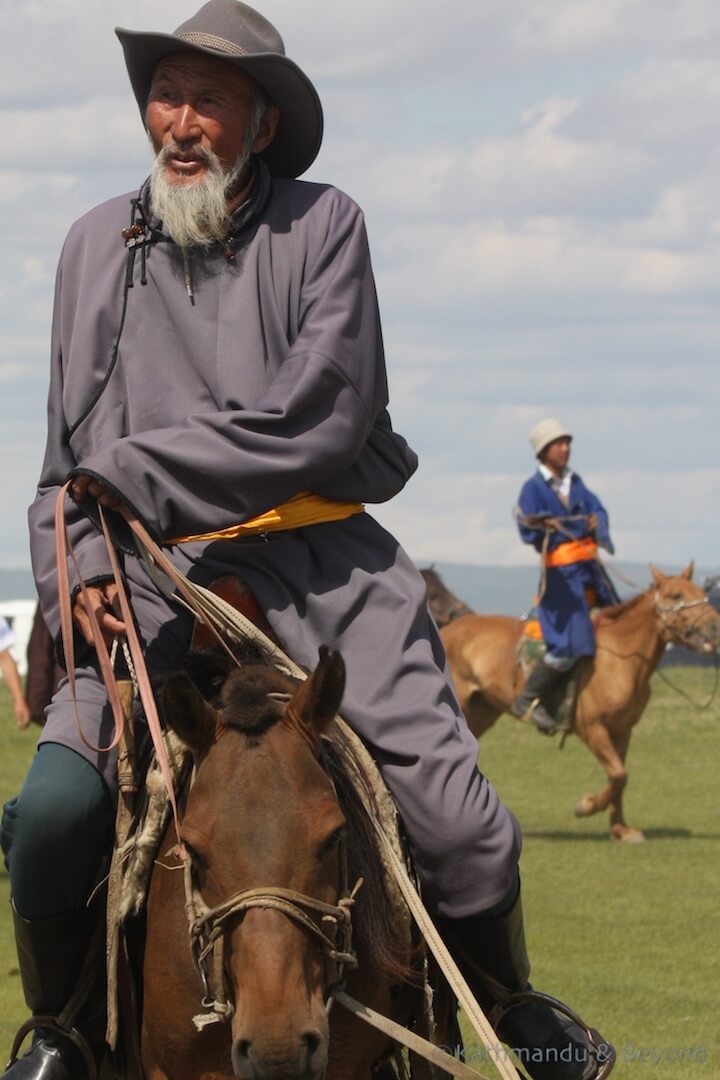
{"points": [[273, 848], [612, 689]]}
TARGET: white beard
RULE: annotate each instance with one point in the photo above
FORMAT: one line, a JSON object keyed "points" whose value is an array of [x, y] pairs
{"points": [[195, 213]]}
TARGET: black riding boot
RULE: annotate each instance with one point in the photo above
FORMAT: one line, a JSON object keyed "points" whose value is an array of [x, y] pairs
{"points": [[61, 966], [551, 1044], [528, 703]]}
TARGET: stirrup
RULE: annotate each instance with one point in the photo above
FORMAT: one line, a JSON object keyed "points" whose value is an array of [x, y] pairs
{"points": [[51, 1023], [602, 1050]]}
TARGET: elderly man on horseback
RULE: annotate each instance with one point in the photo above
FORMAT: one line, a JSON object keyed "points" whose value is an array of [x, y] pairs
{"points": [[566, 523], [217, 366]]}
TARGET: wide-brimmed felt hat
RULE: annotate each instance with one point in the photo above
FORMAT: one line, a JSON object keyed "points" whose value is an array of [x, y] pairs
{"points": [[545, 432], [236, 33]]}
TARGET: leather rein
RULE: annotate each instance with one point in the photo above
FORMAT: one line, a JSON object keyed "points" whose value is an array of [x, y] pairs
{"points": [[207, 926]]}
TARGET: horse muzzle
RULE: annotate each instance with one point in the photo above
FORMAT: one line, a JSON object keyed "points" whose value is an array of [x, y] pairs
{"points": [[299, 1056]]}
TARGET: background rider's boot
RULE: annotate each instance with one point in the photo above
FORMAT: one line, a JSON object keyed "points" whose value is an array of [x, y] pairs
{"points": [[59, 961], [491, 954], [528, 703]]}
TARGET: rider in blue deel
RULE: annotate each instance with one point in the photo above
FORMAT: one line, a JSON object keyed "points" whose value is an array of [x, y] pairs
{"points": [[566, 523]]}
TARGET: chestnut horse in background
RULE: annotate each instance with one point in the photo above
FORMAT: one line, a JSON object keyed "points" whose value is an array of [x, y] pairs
{"points": [[611, 689], [273, 848]]}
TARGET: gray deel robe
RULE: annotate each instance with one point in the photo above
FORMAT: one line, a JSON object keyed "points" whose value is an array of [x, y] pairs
{"points": [[269, 380], [209, 389]]}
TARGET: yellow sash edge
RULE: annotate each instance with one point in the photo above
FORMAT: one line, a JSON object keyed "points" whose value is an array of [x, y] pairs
{"points": [[297, 513]]}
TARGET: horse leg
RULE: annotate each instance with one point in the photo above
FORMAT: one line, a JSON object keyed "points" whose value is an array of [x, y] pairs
{"points": [[480, 713], [618, 826], [603, 747]]}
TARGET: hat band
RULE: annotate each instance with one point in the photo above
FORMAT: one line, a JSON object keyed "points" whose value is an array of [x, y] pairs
{"points": [[210, 41]]}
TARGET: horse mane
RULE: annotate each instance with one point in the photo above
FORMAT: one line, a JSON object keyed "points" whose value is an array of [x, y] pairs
{"points": [[444, 606], [376, 932], [209, 669], [617, 611], [243, 693]]}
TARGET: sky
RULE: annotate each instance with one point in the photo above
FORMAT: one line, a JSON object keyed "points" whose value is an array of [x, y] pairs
{"points": [[541, 186]]}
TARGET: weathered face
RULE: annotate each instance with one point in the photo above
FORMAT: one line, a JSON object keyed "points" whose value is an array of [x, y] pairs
{"points": [[197, 101], [556, 454]]}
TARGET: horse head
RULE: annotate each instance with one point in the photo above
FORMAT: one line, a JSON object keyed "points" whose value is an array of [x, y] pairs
{"points": [[685, 611], [263, 831], [444, 605]]}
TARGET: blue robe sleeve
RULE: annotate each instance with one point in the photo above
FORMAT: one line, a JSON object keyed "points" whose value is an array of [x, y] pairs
{"points": [[532, 501], [602, 530]]}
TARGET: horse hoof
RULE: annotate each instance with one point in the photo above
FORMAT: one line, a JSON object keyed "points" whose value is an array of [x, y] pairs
{"points": [[629, 836], [585, 807]]}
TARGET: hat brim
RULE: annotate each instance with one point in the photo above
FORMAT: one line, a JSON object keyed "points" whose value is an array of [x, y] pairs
{"points": [[300, 128]]}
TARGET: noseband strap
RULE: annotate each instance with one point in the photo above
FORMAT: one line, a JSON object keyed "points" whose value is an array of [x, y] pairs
{"points": [[207, 933]]}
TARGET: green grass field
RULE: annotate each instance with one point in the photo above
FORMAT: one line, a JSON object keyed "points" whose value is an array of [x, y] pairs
{"points": [[628, 934]]}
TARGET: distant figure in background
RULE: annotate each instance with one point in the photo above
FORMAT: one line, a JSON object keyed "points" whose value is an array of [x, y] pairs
{"points": [[43, 671], [566, 523], [11, 675]]}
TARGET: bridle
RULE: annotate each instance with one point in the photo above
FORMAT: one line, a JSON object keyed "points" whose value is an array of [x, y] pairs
{"points": [[686, 638], [683, 636], [332, 930]]}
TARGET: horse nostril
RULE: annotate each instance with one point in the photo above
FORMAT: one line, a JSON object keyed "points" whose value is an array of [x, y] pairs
{"points": [[242, 1065], [313, 1043]]}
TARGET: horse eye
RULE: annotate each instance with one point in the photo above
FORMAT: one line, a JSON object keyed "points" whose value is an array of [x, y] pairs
{"points": [[333, 841]]}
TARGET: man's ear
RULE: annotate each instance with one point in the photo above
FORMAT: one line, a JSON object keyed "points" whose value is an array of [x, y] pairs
{"points": [[268, 128]]}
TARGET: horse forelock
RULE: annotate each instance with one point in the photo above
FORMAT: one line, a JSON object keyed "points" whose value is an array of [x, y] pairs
{"points": [[247, 702], [209, 669]]}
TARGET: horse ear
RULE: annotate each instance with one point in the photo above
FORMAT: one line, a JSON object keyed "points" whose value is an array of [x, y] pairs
{"points": [[688, 571], [187, 713], [316, 701], [657, 576]]}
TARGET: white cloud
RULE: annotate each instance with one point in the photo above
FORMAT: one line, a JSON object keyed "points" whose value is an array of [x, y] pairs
{"points": [[97, 134]]}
